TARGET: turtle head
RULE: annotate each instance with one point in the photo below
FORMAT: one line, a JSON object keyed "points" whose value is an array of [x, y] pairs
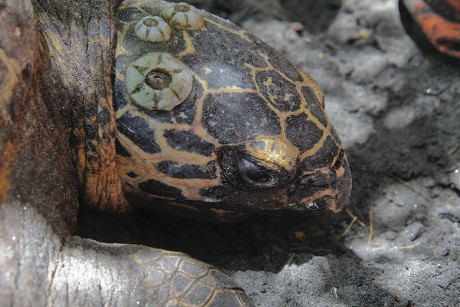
{"points": [[272, 174], [212, 120]]}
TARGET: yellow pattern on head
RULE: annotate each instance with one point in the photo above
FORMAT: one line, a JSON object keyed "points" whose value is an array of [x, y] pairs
{"points": [[273, 153]]}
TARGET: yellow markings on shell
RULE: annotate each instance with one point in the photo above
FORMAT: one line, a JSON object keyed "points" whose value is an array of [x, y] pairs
{"points": [[146, 169], [314, 86], [315, 147], [183, 16], [167, 154], [268, 82], [153, 29], [158, 81], [120, 48], [198, 128], [189, 47], [197, 125], [273, 152], [190, 188], [307, 81]]}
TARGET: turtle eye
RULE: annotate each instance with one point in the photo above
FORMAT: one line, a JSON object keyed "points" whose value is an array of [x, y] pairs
{"points": [[256, 175]]}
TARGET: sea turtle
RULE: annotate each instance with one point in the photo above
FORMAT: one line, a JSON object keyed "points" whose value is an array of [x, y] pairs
{"points": [[151, 104]]}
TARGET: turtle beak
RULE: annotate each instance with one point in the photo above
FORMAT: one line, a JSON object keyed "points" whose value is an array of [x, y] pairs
{"points": [[342, 186], [334, 196]]}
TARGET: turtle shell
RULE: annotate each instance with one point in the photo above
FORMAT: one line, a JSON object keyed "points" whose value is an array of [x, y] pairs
{"points": [[211, 119]]}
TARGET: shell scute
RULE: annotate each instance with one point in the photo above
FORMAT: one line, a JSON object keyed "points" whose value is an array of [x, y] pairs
{"points": [[159, 188], [187, 171], [184, 113], [327, 153], [281, 93], [139, 132], [220, 75], [303, 132], [189, 142], [238, 117], [318, 112], [281, 64], [121, 150]]}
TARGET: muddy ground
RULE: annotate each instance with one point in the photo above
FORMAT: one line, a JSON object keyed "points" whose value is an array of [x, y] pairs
{"points": [[397, 109]]}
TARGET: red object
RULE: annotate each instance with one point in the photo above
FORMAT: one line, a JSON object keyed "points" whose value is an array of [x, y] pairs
{"points": [[440, 22]]}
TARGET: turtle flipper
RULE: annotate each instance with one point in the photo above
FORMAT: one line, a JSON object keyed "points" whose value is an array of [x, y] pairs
{"points": [[126, 275], [39, 270]]}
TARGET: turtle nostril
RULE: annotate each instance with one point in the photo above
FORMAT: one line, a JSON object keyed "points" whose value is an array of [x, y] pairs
{"points": [[318, 179], [311, 206]]}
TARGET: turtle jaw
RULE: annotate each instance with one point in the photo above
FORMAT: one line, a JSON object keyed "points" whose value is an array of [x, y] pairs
{"points": [[334, 197], [341, 188], [327, 188]]}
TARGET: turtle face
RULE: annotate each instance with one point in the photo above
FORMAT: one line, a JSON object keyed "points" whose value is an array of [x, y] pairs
{"points": [[211, 119], [271, 174]]}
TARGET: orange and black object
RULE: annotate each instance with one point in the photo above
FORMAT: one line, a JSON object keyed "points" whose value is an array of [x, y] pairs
{"points": [[439, 20]]}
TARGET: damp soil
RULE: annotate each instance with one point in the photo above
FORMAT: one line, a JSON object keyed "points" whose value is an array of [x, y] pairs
{"points": [[396, 105]]}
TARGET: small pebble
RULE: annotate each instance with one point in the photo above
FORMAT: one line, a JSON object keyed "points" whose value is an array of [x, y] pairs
{"points": [[412, 232]]}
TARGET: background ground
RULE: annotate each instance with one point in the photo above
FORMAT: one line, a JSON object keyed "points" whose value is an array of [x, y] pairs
{"points": [[397, 110]]}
